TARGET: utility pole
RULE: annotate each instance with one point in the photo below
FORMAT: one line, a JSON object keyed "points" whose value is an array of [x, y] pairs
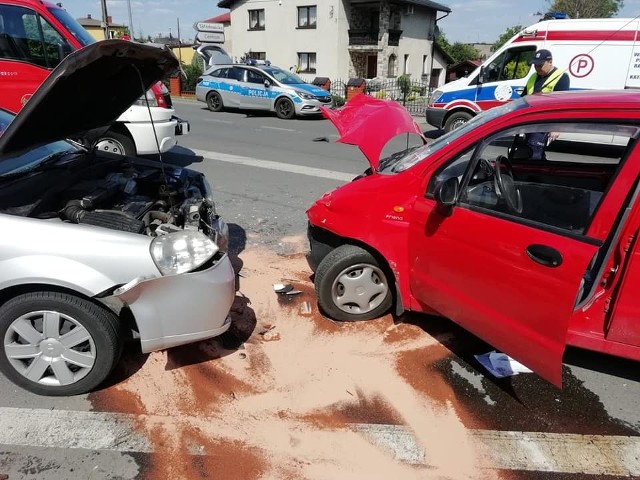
{"points": [[130, 19], [179, 43], [105, 19]]}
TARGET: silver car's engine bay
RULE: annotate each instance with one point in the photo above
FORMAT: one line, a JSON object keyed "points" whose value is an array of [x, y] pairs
{"points": [[133, 196]]}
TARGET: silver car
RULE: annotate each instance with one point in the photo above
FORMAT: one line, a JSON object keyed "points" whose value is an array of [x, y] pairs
{"points": [[95, 247], [261, 87]]}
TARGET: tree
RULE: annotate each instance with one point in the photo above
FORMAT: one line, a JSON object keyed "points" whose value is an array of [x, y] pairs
{"points": [[458, 51], [192, 72], [404, 84], [506, 36], [463, 51], [587, 8]]}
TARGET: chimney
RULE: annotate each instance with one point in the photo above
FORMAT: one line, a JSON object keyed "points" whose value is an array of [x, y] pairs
{"points": [[89, 16]]}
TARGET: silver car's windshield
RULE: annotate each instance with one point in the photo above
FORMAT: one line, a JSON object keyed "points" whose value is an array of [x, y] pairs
{"points": [[32, 158], [282, 76], [414, 156]]}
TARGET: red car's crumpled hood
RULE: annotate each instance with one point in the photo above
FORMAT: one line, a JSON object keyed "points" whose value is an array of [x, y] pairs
{"points": [[370, 123]]}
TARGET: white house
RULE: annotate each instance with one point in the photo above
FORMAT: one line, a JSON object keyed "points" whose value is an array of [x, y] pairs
{"points": [[341, 38]]}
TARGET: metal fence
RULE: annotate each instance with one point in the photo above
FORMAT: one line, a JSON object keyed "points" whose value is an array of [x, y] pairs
{"points": [[412, 94]]}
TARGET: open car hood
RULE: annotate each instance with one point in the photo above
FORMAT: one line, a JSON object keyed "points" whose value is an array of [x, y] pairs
{"points": [[370, 123], [89, 89]]}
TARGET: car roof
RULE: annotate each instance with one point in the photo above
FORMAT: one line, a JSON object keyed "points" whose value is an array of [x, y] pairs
{"points": [[588, 99], [261, 67]]}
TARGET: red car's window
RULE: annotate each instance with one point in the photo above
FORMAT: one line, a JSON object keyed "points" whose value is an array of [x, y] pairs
{"points": [[561, 187]]}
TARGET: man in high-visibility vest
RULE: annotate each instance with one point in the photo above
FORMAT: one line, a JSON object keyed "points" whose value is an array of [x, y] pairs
{"points": [[546, 78]]}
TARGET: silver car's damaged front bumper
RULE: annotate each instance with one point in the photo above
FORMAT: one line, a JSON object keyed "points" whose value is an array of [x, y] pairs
{"points": [[179, 309]]}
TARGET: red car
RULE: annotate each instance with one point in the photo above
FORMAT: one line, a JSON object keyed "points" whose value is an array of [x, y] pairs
{"points": [[529, 255]]}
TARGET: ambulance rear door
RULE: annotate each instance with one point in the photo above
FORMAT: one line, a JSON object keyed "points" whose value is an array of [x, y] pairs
{"points": [[596, 53]]}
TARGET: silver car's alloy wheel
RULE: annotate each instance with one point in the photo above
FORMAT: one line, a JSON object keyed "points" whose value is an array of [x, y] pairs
{"points": [[49, 348], [359, 289], [56, 343]]}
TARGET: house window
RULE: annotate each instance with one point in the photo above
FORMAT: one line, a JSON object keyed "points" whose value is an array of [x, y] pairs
{"points": [[307, 62], [391, 66], [405, 66], [307, 17], [256, 56], [424, 65], [256, 19]]}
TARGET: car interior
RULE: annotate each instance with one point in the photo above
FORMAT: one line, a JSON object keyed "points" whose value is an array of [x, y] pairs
{"points": [[563, 190]]}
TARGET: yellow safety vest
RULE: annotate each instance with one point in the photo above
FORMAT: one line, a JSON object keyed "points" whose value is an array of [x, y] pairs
{"points": [[549, 85]]}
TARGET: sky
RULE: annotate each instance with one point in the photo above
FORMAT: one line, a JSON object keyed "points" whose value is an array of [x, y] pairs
{"points": [[152, 17], [483, 21], [471, 21]]}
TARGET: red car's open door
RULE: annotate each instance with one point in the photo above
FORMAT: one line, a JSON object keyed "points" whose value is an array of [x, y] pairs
{"points": [[488, 274]]}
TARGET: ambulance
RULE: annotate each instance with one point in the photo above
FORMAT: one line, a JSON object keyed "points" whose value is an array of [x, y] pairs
{"points": [[601, 53]]}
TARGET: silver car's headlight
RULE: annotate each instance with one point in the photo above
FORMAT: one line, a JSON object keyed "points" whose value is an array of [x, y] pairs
{"points": [[150, 97], [208, 193], [182, 251], [305, 95]]}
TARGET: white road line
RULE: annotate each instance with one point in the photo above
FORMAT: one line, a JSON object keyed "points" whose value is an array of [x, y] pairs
{"points": [[562, 452], [279, 166], [278, 128], [533, 451], [215, 120], [56, 428]]}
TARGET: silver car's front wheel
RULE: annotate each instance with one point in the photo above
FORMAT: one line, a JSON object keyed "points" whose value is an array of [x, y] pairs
{"points": [[57, 344]]}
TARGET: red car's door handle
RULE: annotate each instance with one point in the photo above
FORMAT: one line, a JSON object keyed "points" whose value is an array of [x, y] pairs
{"points": [[544, 255]]}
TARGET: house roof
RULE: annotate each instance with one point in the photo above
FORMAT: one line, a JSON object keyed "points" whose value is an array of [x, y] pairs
{"points": [[88, 21], [427, 3], [423, 3], [224, 18], [465, 63]]}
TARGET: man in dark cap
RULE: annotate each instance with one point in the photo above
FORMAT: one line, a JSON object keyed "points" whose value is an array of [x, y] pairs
{"points": [[546, 78]]}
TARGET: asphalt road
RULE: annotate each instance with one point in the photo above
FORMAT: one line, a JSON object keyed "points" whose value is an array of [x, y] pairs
{"points": [[265, 173]]}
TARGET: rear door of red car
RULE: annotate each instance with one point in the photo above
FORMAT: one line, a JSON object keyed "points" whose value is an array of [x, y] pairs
{"points": [[511, 281]]}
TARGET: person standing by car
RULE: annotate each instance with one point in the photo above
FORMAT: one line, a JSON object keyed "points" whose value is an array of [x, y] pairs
{"points": [[546, 78]]}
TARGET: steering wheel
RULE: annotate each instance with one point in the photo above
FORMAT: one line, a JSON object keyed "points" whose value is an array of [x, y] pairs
{"points": [[483, 172], [505, 185]]}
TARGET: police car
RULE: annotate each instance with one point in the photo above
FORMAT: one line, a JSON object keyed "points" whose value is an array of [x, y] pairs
{"points": [[260, 87]]}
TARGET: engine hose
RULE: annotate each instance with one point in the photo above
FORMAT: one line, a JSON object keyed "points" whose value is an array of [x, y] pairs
{"points": [[75, 210], [164, 217]]}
